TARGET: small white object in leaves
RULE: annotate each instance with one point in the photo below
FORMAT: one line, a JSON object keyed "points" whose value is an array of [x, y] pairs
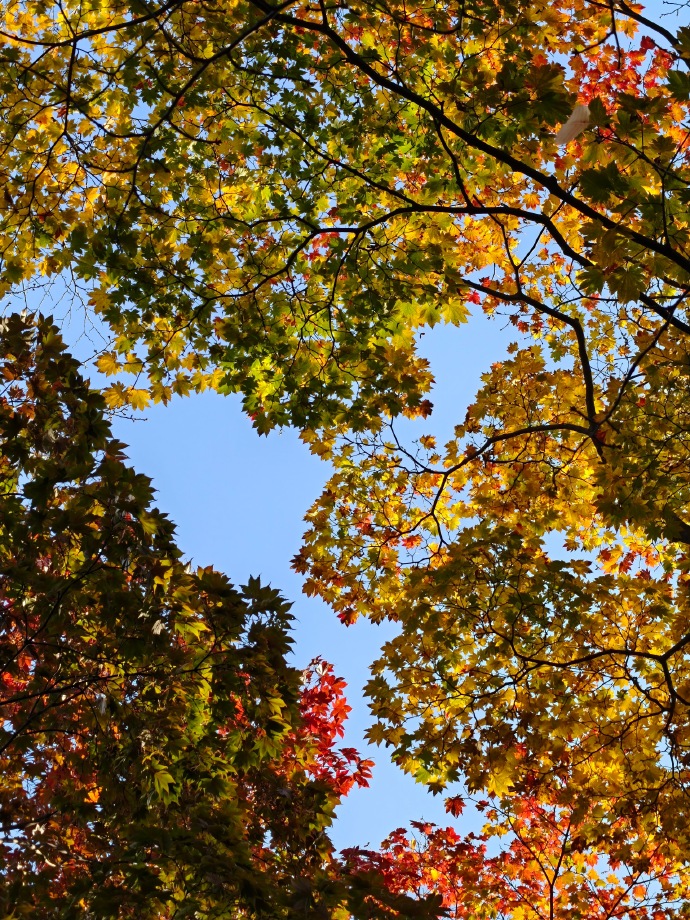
{"points": [[575, 125]]}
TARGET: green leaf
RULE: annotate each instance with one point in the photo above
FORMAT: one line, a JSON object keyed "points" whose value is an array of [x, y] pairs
{"points": [[679, 84]]}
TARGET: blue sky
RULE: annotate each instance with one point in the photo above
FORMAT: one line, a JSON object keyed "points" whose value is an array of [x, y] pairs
{"points": [[238, 501]]}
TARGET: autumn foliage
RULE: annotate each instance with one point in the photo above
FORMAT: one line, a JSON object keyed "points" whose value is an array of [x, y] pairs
{"points": [[546, 870], [153, 733], [277, 200]]}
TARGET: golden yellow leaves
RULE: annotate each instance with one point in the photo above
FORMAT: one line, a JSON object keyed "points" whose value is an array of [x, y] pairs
{"points": [[108, 364], [118, 395]]}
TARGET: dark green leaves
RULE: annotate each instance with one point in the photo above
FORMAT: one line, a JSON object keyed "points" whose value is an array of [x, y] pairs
{"points": [[603, 184]]}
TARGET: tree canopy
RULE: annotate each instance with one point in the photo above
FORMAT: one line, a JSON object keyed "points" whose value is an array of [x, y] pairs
{"points": [[153, 733], [276, 199]]}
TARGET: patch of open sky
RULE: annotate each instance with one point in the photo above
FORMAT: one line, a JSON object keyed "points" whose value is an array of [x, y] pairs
{"points": [[238, 502]]}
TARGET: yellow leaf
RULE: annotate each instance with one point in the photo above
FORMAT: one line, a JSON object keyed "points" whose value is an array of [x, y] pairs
{"points": [[108, 364], [138, 398]]}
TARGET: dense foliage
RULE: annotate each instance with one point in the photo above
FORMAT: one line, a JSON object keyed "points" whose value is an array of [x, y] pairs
{"points": [[159, 756], [275, 199]]}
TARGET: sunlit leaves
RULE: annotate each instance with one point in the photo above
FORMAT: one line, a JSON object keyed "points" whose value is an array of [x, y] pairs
{"points": [[277, 201], [518, 667], [543, 866], [271, 214]]}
